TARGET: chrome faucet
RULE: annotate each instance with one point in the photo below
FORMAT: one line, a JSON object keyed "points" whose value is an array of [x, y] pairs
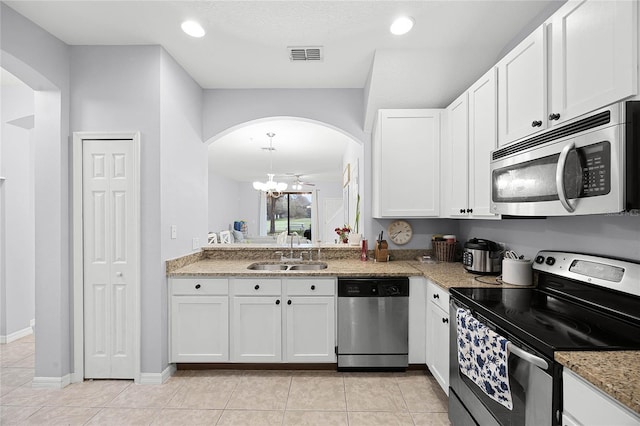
{"points": [[294, 234]]}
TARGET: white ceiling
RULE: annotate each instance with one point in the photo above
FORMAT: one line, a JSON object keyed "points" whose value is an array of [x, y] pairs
{"points": [[452, 44]]}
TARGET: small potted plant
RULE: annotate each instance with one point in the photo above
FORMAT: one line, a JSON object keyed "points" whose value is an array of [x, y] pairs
{"points": [[343, 233]]}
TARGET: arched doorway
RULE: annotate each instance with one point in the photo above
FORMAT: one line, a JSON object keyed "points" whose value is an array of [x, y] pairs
{"points": [[309, 155]]}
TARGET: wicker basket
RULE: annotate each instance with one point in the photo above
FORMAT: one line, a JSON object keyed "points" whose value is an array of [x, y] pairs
{"points": [[444, 251]]}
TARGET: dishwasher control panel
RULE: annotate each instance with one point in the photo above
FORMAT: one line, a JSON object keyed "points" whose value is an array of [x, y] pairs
{"points": [[376, 287]]}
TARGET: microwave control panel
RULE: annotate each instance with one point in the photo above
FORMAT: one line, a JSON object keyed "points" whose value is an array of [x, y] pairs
{"points": [[596, 169]]}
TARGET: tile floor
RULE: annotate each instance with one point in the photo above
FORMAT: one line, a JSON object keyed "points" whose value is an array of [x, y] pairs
{"points": [[221, 397]]}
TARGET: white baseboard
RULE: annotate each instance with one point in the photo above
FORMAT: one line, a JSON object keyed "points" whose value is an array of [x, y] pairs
{"points": [[157, 378], [16, 335], [51, 382]]}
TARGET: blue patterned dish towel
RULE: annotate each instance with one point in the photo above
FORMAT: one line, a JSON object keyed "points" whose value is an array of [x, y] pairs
{"points": [[483, 357]]}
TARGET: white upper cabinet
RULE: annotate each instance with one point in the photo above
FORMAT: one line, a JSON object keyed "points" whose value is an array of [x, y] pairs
{"points": [[593, 59], [457, 163], [471, 136], [406, 163], [483, 125], [522, 89]]}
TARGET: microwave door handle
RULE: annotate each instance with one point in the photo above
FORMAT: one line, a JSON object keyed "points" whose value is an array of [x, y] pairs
{"points": [[560, 177], [533, 359]]}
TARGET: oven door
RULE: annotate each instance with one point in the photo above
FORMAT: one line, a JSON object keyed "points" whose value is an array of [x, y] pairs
{"points": [[580, 174], [530, 381]]}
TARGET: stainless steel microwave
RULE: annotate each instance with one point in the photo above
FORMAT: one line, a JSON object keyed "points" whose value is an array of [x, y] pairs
{"points": [[590, 165]]}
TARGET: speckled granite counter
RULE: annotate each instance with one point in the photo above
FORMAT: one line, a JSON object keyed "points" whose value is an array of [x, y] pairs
{"points": [[616, 373], [444, 274]]}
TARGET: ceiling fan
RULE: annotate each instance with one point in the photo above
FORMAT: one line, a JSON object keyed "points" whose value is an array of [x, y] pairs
{"points": [[298, 183]]}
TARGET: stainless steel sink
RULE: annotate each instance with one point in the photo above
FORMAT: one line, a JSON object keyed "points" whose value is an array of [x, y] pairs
{"points": [[308, 267], [259, 266], [267, 267]]}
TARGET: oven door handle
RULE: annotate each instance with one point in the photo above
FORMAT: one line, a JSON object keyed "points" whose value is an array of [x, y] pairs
{"points": [[529, 357], [562, 160]]}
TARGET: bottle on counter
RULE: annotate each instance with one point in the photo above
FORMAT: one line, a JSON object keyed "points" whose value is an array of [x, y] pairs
{"points": [[363, 254]]}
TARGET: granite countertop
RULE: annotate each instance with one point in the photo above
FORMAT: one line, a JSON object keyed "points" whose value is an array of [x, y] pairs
{"points": [[616, 373], [444, 274]]}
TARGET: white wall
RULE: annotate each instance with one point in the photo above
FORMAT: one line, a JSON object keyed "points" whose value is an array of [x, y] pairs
{"points": [[42, 62], [17, 212], [225, 108]]}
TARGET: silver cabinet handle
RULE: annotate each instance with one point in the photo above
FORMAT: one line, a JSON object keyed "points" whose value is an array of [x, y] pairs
{"points": [[560, 177], [533, 359]]}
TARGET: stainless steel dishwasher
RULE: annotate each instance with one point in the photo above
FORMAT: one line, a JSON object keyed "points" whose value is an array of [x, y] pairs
{"points": [[373, 323]]}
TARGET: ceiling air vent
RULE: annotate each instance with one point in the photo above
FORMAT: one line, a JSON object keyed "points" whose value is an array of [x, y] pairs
{"points": [[311, 53]]}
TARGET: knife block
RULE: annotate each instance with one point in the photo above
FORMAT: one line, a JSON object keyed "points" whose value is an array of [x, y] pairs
{"points": [[381, 252]]}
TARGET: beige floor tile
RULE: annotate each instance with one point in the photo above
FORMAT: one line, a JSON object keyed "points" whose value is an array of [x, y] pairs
{"points": [[12, 415], [315, 418], [29, 397], [15, 377], [248, 417], [169, 417], [431, 419], [373, 418], [145, 396], [27, 362], [373, 393], [204, 393], [61, 416], [124, 416], [424, 397], [260, 391], [15, 352], [90, 393], [317, 392]]}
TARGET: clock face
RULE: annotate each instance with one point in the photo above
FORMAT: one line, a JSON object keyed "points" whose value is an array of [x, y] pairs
{"points": [[400, 232]]}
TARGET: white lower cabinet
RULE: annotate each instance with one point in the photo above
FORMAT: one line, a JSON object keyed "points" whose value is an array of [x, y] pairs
{"points": [[310, 325], [199, 318], [584, 404], [256, 329], [289, 320], [437, 350]]}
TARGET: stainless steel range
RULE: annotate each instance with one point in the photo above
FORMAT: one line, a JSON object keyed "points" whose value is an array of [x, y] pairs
{"points": [[581, 302]]}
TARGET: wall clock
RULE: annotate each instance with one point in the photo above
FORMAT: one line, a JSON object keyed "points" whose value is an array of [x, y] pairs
{"points": [[400, 232]]}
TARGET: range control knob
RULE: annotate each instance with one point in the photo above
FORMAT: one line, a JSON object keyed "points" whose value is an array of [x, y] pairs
{"points": [[539, 259], [550, 260]]}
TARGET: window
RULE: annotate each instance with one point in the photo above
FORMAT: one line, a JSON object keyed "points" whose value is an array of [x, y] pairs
{"points": [[290, 212]]}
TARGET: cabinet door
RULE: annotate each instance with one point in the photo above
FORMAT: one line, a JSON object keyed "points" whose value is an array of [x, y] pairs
{"points": [[483, 123], [522, 89], [256, 329], [457, 166], [199, 329], [438, 345], [593, 57], [310, 325], [407, 163]]}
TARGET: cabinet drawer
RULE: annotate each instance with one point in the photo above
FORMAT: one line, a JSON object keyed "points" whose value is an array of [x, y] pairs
{"points": [[311, 287], [438, 296], [191, 286], [256, 287]]}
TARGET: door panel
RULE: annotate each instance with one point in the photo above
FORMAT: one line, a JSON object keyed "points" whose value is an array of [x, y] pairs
{"points": [[109, 230]]}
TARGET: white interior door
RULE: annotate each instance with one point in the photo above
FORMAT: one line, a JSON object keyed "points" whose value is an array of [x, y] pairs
{"points": [[110, 257]]}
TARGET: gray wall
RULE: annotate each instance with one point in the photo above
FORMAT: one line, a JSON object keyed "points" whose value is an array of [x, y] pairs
{"points": [[17, 212], [141, 88], [616, 235], [42, 62]]}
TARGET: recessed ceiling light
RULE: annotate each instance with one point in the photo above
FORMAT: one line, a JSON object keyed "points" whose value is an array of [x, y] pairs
{"points": [[401, 25], [193, 29]]}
